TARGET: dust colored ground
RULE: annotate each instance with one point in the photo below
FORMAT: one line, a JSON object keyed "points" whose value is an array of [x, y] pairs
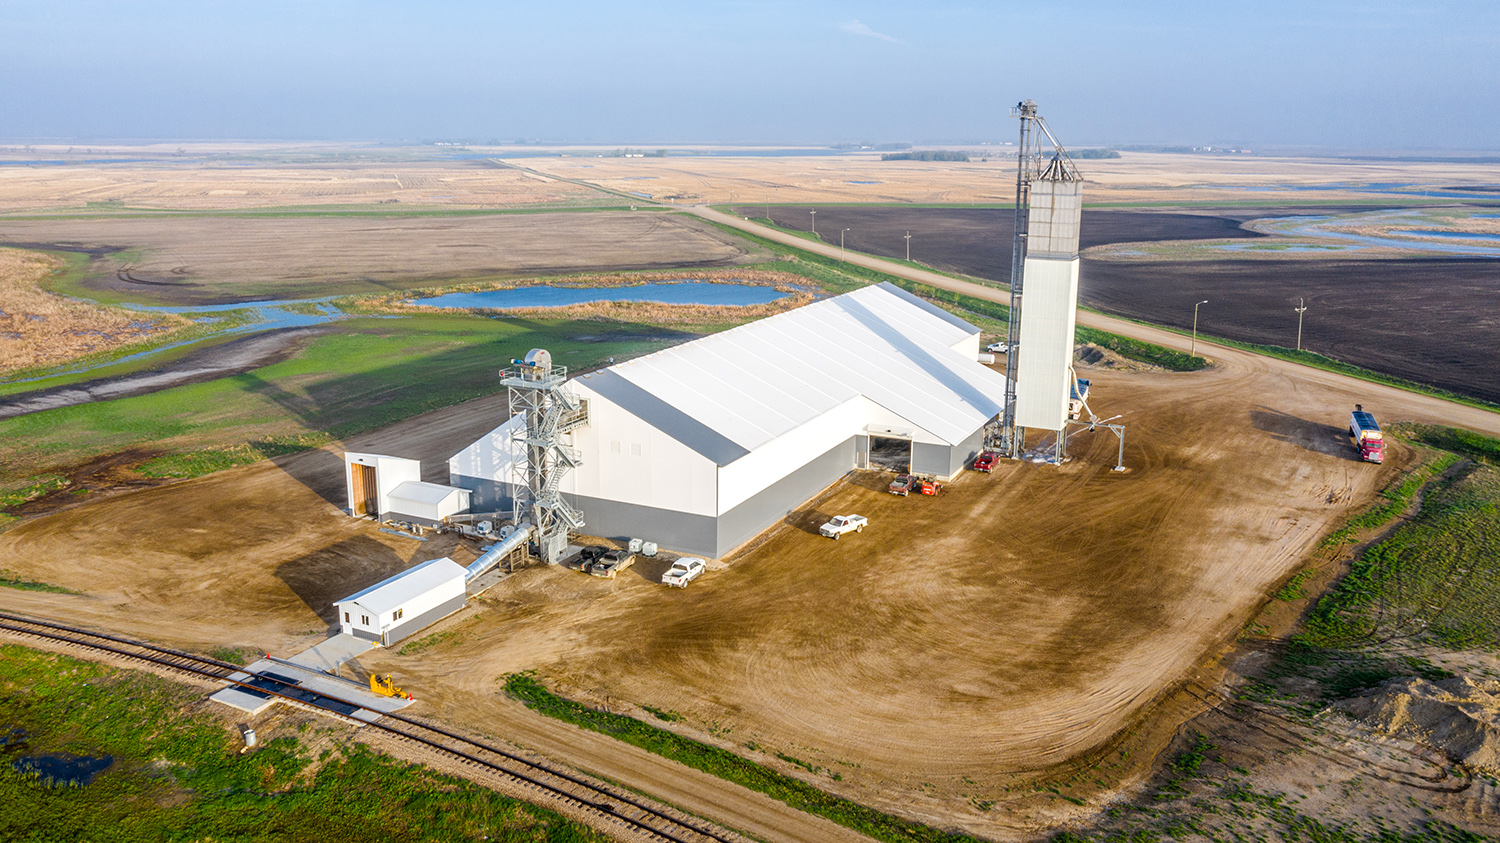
{"points": [[203, 260], [931, 667], [38, 328]]}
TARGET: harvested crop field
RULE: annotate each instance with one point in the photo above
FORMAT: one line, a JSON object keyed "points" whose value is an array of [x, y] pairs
{"points": [[209, 185], [930, 667], [989, 177], [205, 260], [1434, 320]]}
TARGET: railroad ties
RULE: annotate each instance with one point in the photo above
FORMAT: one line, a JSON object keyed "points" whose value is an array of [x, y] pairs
{"points": [[608, 806]]}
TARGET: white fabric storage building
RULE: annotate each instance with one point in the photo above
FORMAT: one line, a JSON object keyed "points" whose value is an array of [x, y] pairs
{"points": [[702, 446], [396, 607]]}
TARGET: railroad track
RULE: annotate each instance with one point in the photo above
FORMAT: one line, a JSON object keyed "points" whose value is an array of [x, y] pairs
{"points": [[608, 806]]}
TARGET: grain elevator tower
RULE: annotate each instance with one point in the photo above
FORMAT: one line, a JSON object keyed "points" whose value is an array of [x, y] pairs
{"points": [[1044, 286]]}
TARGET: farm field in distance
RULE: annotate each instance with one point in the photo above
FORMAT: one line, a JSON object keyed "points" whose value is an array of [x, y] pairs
{"points": [[197, 260], [1430, 318]]}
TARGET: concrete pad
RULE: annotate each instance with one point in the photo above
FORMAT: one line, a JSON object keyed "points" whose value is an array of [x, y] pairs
{"points": [[327, 656], [319, 689], [244, 699], [484, 582]]}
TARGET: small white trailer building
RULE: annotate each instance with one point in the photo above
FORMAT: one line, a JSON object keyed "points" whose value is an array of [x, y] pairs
{"points": [[427, 503], [394, 608]]}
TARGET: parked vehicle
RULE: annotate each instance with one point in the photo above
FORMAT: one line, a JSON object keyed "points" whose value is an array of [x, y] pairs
{"points": [[1076, 396], [842, 524], [611, 563], [928, 487], [1365, 433], [684, 571], [902, 485], [986, 460], [1000, 347]]}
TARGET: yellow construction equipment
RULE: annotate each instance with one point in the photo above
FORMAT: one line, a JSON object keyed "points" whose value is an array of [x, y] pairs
{"points": [[386, 687]]}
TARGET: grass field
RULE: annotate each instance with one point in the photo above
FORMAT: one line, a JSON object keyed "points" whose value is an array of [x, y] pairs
{"points": [[370, 373], [175, 772]]}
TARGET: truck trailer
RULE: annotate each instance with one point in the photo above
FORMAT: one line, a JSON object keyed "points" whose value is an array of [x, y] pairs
{"points": [[1366, 435]]}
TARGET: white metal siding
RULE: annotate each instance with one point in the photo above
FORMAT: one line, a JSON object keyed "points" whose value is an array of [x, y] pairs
{"points": [[1049, 309], [649, 468], [1052, 226]]}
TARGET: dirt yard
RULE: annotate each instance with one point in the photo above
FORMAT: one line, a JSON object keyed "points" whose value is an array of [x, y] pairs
{"points": [[204, 260], [1009, 624]]}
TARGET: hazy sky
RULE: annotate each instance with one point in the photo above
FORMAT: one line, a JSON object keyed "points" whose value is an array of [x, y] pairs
{"points": [[1348, 74]]}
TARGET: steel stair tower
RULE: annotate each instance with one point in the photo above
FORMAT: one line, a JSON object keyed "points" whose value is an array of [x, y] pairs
{"points": [[538, 391]]}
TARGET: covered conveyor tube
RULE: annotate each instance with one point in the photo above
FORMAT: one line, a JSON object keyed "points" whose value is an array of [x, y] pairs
{"points": [[502, 549]]}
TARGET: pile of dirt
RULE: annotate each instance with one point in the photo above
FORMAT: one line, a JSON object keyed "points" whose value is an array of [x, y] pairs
{"points": [[1095, 357], [1458, 716]]}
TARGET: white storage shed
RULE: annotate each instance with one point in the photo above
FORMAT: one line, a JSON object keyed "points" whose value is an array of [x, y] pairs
{"points": [[394, 608], [702, 446], [427, 503]]}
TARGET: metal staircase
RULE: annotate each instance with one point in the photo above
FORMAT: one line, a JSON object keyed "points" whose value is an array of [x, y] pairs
{"points": [[538, 390]]}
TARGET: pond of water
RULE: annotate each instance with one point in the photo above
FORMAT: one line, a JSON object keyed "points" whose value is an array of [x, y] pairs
{"points": [[1313, 227], [63, 769], [677, 292]]}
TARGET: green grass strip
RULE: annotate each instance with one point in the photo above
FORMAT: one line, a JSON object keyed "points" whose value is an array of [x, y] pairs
{"points": [[10, 579], [727, 765], [1391, 503]]}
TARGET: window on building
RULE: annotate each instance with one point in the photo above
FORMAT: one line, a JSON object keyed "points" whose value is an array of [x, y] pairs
{"points": [[396, 616], [635, 449], [346, 617], [364, 619], [614, 446]]}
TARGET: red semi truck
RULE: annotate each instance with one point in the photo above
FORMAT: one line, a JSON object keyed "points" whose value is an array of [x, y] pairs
{"points": [[1366, 435]]}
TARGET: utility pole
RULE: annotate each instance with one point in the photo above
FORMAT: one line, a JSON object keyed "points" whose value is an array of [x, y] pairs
{"points": [[1193, 346], [814, 222], [1301, 309], [908, 247], [841, 245]]}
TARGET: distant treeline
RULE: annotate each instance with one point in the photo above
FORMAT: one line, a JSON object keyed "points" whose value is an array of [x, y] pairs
{"points": [[1094, 153], [635, 153], [926, 155], [875, 146]]}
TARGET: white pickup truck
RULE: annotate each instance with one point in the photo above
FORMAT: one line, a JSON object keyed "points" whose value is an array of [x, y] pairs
{"points": [[684, 571], [842, 524]]}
